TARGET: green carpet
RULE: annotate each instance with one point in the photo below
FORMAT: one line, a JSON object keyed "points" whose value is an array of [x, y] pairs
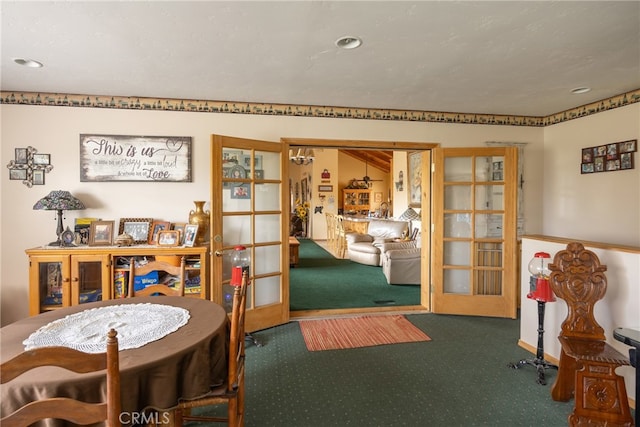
{"points": [[460, 378], [321, 281]]}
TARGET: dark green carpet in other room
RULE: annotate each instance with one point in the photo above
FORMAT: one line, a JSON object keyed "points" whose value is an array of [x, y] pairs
{"points": [[321, 281], [460, 378]]}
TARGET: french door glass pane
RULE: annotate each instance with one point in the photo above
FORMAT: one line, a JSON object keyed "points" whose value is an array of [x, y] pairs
{"points": [[457, 197], [490, 197], [267, 197], [457, 225], [457, 169], [267, 290], [457, 253], [267, 259], [237, 229], [488, 225], [456, 282], [267, 228]]}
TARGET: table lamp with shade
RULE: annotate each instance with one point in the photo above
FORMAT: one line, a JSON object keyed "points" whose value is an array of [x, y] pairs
{"points": [[59, 200], [410, 215]]}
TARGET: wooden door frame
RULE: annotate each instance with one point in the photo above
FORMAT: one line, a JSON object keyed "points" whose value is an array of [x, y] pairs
{"points": [[425, 259]]}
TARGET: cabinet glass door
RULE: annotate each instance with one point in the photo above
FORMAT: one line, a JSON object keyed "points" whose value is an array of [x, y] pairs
{"points": [[49, 283], [89, 278]]}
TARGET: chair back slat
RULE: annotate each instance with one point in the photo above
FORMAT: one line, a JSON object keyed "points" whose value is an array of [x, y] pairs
{"points": [[63, 408], [160, 288]]}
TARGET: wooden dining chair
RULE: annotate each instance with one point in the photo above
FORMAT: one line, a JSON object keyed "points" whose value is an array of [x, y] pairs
{"points": [[64, 408], [587, 368], [232, 391], [159, 288]]}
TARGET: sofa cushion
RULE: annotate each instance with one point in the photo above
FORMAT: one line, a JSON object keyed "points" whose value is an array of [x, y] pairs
{"points": [[365, 247], [387, 229]]}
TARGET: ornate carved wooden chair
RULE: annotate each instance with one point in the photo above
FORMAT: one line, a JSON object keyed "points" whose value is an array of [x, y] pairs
{"points": [[64, 408], [159, 288], [587, 363], [232, 391]]}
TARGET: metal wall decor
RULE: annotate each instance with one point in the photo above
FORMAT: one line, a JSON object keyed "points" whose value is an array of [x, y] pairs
{"points": [[29, 166]]}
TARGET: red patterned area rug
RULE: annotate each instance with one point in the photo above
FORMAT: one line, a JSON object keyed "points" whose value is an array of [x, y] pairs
{"points": [[363, 331]]}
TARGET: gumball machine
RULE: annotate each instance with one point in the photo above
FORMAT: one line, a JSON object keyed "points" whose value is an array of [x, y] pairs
{"points": [[541, 292], [240, 263]]}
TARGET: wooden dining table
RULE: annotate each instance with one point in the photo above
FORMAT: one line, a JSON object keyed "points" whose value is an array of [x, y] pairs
{"points": [[181, 365]]}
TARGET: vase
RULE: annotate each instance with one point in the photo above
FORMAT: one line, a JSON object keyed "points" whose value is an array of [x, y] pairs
{"points": [[201, 218]]}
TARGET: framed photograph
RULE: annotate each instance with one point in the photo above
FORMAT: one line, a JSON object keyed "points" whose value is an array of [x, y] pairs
{"points": [[587, 155], [259, 174], [179, 227], [303, 190], [190, 231], [156, 227], [169, 238], [37, 178], [587, 168], [246, 161], [496, 176], [325, 188], [21, 156], [598, 164], [612, 165], [230, 157], [138, 228], [41, 159], [601, 151], [241, 192], [626, 161], [626, 146], [18, 174], [612, 151], [101, 233], [81, 228], [377, 197], [415, 179]]}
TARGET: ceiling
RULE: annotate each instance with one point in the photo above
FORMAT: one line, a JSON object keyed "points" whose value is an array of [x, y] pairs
{"points": [[502, 57]]}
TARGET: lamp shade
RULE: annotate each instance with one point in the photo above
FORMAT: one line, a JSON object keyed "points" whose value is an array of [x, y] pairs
{"points": [[59, 200], [409, 215]]}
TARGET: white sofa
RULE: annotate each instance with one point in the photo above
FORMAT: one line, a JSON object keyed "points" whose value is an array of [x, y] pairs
{"points": [[365, 248]]}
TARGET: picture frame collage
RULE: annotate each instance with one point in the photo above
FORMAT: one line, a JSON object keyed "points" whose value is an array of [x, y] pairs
{"points": [[616, 156], [144, 231], [236, 164]]}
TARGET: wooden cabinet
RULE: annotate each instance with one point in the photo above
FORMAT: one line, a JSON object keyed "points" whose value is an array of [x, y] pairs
{"points": [[355, 200], [61, 277]]}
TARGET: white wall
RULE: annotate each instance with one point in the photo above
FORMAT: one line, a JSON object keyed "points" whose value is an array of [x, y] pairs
{"points": [[602, 207], [55, 130]]}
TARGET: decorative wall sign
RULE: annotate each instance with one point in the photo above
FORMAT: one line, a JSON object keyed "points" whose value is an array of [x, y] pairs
{"points": [[135, 158], [29, 166], [609, 157]]}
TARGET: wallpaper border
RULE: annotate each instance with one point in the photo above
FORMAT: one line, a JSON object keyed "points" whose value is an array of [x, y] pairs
{"points": [[228, 107]]}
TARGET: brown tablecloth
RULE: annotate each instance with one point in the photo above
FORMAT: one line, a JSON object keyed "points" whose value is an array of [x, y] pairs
{"points": [[183, 364]]}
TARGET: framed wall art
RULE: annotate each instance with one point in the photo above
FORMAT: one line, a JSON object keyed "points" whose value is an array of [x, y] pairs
{"points": [[415, 179], [608, 157], [106, 158]]}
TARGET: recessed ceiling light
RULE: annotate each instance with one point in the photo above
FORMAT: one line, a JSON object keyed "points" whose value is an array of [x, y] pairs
{"points": [[579, 90], [28, 62], [348, 42]]}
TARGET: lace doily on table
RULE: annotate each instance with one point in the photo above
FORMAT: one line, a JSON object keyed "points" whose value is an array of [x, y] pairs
{"points": [[137, 325]]}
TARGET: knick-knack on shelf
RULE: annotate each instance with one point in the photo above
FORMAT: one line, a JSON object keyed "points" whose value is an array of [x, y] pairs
{"points": [[201, 218]]}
